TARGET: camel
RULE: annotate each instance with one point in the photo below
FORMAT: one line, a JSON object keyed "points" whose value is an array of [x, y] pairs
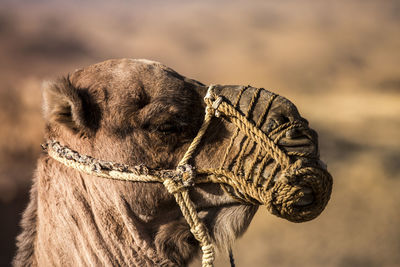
{"points": [[141, 113]]}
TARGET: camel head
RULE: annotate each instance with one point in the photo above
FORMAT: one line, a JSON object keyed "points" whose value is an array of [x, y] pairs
{"points": [[256, 150]]}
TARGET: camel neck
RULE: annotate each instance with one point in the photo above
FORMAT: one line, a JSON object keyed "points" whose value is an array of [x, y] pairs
{"points": [[95, 223]]}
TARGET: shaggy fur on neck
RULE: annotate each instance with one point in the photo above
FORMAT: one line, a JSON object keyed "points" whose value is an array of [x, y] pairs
{"points": [[132, 112]]}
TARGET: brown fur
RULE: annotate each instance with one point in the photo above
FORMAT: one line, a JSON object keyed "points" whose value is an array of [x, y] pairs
{"points": [[132, 112]]}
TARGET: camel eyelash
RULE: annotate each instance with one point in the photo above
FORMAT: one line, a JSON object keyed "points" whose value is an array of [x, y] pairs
{"points": [[168, 128]]}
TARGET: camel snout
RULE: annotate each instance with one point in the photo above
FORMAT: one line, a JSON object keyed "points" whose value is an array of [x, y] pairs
{"points": [[307, 197]]}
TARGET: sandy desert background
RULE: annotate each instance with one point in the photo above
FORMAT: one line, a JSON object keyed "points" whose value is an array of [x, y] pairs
{"points": [[338, 61]]}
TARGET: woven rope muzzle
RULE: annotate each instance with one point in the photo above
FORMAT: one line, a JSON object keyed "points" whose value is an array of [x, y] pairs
{"points": [[279, 195]]}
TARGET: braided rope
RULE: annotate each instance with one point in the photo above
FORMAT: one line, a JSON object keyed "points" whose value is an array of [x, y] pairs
{"points": [[100, 168], [189, 212], [196, 141], [258, 125], [246, 143], [254, 133], [279, 196], [228, 149]]}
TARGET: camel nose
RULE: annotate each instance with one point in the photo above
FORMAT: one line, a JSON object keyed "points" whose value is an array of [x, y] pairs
{"points": [[283, 111], [285, 126], [307, 198], [303, 142]]}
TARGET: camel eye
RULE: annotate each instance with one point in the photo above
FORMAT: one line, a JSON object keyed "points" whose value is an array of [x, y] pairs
{"points": [[168, 128]]}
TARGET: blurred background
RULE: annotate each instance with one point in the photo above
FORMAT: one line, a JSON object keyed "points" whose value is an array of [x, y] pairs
{"points": [[338, 61]]}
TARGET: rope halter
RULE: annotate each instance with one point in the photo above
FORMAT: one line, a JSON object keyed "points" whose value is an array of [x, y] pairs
{"points": [[246, 185]]}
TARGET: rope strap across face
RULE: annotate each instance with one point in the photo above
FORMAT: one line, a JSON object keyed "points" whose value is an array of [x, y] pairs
{"points": [[279, 195], [182, 196], [279, 198], [199, 231]]}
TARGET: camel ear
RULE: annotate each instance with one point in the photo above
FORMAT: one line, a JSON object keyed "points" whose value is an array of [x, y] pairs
{"points": [[67, 105]]}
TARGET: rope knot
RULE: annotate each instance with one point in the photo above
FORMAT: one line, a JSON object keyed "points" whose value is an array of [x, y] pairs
{"points": [[213, 101], [182, 178], [208, 255], [215, 106], [173, 186], [290, 173], [186, 173]]}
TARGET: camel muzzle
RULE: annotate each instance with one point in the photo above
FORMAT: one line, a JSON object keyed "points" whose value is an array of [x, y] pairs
{"points": [[277, 163]]}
